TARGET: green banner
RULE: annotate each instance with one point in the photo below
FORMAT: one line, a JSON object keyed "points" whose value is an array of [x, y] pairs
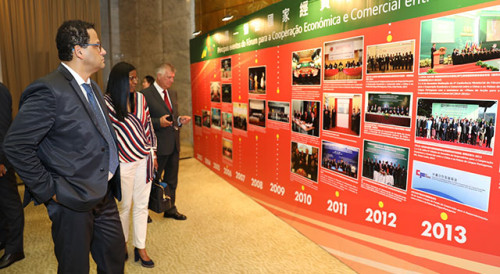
{"points": [[296, 20]]}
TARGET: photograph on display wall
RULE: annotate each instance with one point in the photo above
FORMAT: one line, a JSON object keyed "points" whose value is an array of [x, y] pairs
{"points": [[305, 161], [306, 67], [257, 112], [206, 118], [240, 114], [227, 122], [460, 124], [390, 58], [197, 120], [215, 92], [388, 108], [226, 93], [257, 80], [342, 113], [306, 117], [461, 43], [227, 148], [340, 158], [344, 59], [216, 118], [385, 164], [452, 184], [225, 68], [278, 111]]}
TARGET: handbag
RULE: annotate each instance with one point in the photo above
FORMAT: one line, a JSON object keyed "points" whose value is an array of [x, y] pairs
{"points": [[159, 198]]}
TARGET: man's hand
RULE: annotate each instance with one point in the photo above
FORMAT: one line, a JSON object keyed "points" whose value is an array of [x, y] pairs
{"points": [[184, 119], [164, 122], [3, 170]]}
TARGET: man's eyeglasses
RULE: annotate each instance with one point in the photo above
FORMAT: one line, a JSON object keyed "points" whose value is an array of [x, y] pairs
{"points": [[99, 47], [133, 78]]}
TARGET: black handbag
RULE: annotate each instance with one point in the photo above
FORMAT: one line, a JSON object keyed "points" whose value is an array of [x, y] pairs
{"points": [[159, 198]]}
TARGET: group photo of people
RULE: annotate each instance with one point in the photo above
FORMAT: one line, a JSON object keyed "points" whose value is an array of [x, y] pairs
{"points": [[342, 113], [340, 158], [215, 92], [305, 161], [344, 59], [305, 117], [306, 67], [225, 68], [386, 164], [278, 111], [257, 112], [464, 124], [388, 108], [458, 43], [257, 80], [391, 57], [240, 116], [226, 93], [206, 118]]}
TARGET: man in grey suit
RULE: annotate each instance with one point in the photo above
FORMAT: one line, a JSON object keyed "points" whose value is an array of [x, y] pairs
{"points": [[164, 112], [63, 146]]}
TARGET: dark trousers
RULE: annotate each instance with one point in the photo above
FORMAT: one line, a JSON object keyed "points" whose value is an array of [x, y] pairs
{"points": [[170, 164], [11, 214], [98, 231]]}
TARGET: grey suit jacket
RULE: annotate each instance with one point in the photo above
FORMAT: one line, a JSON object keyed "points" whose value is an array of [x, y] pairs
{"points": [[167, 137], [56, 147]]}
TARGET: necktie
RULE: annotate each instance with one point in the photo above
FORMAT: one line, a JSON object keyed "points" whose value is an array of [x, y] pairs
{"points": [[103, 127], [167, 101]]}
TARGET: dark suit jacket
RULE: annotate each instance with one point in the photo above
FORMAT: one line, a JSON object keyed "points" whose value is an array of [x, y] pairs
{"points": [[5, 120], [167, 137], [56, 147]]}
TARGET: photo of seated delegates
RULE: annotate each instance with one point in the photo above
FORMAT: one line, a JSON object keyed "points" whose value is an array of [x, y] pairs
{"points": [[460, 124], [390, 57], [216, 118], [226, 93], [342, 113], [305, 117], [340, 158], [305, 161], [386, 164], [197, 120], [206, 118], [240, 111], [278, 111], [225, 68], [463, 42], [306, 67], [215, 92], [227, 148], [344, 59], [257, 80], [227, 122], [257, 112], [388, 108]]}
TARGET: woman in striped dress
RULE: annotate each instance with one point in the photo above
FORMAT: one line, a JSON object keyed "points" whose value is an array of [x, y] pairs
{"points": [[136, 142]]}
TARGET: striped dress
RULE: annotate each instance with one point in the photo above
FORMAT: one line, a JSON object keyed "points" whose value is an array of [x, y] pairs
{"points": [[136, 137]]}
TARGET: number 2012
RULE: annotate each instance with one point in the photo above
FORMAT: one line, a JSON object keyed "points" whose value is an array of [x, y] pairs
{"points": [[381, 217]]}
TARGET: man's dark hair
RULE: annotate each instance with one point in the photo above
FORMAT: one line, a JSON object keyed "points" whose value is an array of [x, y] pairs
{"points": [[150, 79], [70, 34]]}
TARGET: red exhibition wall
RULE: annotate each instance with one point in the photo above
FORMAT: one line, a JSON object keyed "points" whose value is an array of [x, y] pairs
{"points": [[367, 138]]}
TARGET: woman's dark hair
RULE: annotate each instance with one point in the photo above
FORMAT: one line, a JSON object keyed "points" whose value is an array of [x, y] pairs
{"points": [[119, 88], [150, 79], [70, 34]]}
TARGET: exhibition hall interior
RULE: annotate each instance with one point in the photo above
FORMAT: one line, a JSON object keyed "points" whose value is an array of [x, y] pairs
{"points": [[319, 136]]}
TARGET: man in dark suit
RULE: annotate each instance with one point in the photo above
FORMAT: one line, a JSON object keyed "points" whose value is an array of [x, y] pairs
{"points": [[162, 103], [63, 146], [11, 208]]}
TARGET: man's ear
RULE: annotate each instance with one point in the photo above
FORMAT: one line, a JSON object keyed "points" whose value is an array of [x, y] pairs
{"points": [[78, 51]]}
